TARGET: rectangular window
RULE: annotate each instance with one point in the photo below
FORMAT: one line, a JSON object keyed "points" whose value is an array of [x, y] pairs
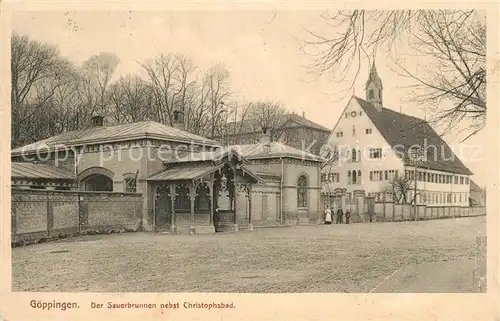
{"points": [[368, 131], [466, 181], [461, 180], [386, 175], [371, 175], [380, 175], [375, 152]]}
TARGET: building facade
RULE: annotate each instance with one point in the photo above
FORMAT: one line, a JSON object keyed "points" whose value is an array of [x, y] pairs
{"points": [[183, 178], [294, 130], [376, 151], [477, 195]]}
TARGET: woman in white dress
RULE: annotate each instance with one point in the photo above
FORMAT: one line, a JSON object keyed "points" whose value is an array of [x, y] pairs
{"points": [[328, 215]]}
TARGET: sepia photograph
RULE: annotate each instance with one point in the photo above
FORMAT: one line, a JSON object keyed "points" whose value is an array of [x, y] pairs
{"points": [[266, 151]]}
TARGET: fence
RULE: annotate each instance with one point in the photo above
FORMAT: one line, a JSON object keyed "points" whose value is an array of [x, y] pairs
{"points": [[44, 214], [363, 209], [388, 212]]}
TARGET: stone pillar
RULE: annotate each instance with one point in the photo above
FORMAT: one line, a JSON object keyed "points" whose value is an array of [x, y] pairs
{"points": [[235, 199], [249, 194], [211, 190], [173, 194], [192, 196]]}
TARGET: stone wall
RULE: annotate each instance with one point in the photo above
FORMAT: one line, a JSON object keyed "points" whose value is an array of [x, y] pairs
{"points": [[391, 212], [43, 214]]}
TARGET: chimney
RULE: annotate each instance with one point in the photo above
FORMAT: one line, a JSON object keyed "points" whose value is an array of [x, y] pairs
{"points": [[265, 138], [97, 120], [178, 119]]}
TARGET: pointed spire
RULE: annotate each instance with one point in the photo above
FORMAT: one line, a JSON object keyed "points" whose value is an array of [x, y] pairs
{"points": [[374, 87]]}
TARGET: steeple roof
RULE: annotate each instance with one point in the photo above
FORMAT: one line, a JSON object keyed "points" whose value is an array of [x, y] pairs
{"points": [[374, 77]]}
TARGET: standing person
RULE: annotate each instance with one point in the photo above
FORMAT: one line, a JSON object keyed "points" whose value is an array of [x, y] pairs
{"points": [[216, 218], [328, 215], [340, 213], [347, 216]]}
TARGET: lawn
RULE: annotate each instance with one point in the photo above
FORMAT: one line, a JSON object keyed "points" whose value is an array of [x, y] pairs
{"points": [[426, 256]]}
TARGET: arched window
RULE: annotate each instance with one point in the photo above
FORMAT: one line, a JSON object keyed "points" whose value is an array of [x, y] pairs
{"points": [[359, 156], [353, 155], [353, 130], [354, 177], [370, 93], [359, 177], [98, 182], [302, 191], [349, 177], [130, 185]]}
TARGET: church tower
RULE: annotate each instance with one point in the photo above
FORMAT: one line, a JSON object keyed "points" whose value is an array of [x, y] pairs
{"points": [[374, 88]]}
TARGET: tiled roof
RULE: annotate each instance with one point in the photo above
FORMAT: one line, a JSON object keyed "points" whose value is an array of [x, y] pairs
{"points": [[474, 187], [189, 172], [402, 131], [306, 122], [274, 150], [290, 121], [195, 170], [216, 155], [32, 170], [123, 132]]}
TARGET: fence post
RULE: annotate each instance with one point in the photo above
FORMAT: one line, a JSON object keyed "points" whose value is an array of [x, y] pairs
{"points": [[479, 274], [50, 215]]}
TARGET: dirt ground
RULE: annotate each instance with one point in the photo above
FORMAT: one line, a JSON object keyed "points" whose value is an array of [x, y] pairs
{"points": [[426, 256]]}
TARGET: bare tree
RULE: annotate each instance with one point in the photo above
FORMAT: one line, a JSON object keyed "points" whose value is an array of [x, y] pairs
{"points": [[453, 41], [216, 86], [400, 188], [95, 80], [42, 83], [130, 99], [32, 62], [268, 115], [170, 77]]}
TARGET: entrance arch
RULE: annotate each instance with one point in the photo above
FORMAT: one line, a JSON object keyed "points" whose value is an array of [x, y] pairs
{"points": [[97, 179]]}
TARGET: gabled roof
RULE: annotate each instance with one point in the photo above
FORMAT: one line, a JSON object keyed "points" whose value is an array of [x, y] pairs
{"points": [[204, 156], [274, 150], [39, 171], [289, 121], [189, 172], [402, 131], [123, 132], [302, 121], [474, 187], [194, 169]]}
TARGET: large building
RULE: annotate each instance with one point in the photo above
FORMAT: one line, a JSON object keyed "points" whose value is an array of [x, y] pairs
{"points": [[294, 130], [371, 145], [477, 194], [182, 177]]}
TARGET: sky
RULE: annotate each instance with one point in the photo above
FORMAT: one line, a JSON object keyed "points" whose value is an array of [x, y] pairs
{"points": [[261, 50]]}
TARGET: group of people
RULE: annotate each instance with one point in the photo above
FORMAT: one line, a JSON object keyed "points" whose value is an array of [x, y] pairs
{"points": [[339, 214]]}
